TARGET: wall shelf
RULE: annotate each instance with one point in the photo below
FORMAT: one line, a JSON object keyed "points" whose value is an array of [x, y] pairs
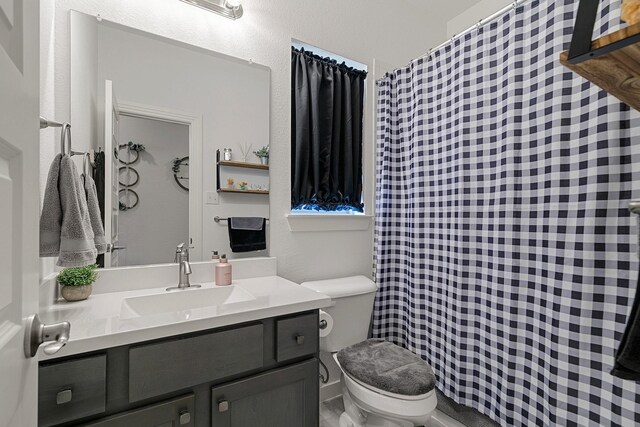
{"points": [[229, 190], [611, 62], [242, 165]]}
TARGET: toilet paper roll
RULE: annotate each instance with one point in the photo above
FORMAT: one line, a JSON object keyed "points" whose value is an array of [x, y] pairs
{"points": [[329, 325]]}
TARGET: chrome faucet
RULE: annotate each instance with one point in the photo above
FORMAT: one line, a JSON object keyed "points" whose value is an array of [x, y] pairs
{"points": [[184, 268]]}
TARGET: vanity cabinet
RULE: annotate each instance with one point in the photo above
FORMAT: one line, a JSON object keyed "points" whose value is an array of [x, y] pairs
{"points": [[284, 397], [261, 373]]}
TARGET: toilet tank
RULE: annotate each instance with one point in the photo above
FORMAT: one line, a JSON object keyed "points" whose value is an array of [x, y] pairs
{"points": [[353, 303]]}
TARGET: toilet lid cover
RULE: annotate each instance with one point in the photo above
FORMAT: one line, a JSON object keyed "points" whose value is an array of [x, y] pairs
{"points": [[387, 367]]}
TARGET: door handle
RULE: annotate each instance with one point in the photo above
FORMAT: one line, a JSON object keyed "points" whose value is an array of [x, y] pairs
{"points": [[111, 248], [37, 333]]}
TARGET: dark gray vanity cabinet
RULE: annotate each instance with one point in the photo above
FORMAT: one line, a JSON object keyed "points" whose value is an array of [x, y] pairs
{"points": [[284, 397], [261, 373]]}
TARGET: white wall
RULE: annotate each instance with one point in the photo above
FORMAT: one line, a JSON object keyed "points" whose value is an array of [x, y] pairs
{"points": [[150, 237], [363, 30], [475, 13]]}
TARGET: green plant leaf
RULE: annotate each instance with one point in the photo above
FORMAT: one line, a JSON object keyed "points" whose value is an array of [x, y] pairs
{"points": [[78, 276]]}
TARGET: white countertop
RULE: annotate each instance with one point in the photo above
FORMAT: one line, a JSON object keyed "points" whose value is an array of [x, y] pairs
{"points": [[98, 323]]}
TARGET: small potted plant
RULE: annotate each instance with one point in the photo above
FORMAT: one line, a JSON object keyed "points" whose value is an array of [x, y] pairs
{"points": [[243, 185], [263, 154], [76, 282], [230, 183]]}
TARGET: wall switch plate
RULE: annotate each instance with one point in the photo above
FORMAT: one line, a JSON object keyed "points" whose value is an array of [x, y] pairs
{"points": [[212, 198]]}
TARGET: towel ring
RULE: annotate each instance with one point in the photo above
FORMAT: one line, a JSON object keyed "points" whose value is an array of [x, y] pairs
{"points": [[65, 136]]}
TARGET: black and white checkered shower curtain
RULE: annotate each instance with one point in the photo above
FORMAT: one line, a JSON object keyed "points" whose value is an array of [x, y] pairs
{"points": [[505, 253]]}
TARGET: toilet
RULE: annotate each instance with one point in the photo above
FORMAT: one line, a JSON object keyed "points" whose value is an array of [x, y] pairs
{"points": [[383, 385]]}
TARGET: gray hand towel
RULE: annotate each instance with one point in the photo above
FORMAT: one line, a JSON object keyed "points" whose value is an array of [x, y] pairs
{"points": [[247, 223], [51, 216], [94, 214], [77, 247]]}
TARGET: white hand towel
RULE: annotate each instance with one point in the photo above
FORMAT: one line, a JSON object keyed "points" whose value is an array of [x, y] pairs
{"points": [[77, 247], [51, 216], [94, 214]]}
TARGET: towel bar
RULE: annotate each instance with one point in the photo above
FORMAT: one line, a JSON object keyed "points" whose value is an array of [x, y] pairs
{"points": [[218, 219]]}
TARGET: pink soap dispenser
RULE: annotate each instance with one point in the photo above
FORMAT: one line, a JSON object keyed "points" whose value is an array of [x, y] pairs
{"points": [[223, 272]]}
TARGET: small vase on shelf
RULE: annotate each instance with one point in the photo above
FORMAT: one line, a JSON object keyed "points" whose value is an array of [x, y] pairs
{"points": [[264, 160]]}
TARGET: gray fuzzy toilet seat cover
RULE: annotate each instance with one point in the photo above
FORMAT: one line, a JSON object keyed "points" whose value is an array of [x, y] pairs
{"points": [[387, 367]]}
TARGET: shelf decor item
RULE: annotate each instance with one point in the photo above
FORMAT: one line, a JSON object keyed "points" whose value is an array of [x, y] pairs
{"points": [[263, 154], [243, 185], [230, 182], [76, 282], [245, 150]]}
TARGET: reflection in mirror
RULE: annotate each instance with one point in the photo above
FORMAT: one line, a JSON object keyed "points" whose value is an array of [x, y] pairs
{"points": [[165, 114]]}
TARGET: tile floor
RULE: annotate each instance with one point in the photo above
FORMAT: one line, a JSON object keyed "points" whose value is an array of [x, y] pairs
{"points": [[330, 411]]}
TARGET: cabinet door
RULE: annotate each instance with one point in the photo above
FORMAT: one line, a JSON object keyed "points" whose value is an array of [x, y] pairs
{"points": [[281, 398], [173, 413]]}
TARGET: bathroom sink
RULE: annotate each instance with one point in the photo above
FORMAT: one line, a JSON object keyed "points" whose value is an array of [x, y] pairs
{"points": [[179, 301]]}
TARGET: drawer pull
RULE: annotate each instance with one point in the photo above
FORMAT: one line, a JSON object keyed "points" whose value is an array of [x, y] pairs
{"points": [[300, 339], [223, 406], [185, 418], [64, 396]]}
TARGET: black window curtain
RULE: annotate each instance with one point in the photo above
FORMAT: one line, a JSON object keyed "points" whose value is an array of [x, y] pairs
{"points": [[326, 133]]}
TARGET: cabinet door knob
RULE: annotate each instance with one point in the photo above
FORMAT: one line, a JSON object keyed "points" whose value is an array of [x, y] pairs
{"points": [[300, 339], [223, 406], [64, 396], [185, 418]]}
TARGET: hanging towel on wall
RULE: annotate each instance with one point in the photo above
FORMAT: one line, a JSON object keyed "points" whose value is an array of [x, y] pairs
{"points": [[77, 247], [51, 216], [94, 214], [247, 234], [98, 178]]}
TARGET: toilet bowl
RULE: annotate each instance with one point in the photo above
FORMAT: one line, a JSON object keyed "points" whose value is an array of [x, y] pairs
{"points": [[369, 406], [365, 404]]}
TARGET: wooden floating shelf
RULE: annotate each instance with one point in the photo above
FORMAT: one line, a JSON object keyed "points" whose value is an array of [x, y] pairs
{"points": [[618, 71], [228, 190], [243, 165]]}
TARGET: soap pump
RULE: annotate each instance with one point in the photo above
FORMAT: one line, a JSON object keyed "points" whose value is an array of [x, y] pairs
{"points": [[223, 272]]}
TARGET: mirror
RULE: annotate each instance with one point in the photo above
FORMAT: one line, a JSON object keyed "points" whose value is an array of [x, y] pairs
{"points": [[163, 113]]}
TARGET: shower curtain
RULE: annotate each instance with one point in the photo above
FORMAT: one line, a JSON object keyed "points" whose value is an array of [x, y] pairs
{"points": [[505, 253]]}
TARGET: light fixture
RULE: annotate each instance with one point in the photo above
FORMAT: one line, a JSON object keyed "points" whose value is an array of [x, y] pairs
{"points": [[231, 9]]}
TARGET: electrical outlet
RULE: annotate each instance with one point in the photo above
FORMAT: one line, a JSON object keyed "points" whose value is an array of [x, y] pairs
{"points": [[212, 198]]}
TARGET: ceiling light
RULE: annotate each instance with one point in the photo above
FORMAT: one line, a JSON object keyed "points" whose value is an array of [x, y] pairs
{"points": [[231, 9]]}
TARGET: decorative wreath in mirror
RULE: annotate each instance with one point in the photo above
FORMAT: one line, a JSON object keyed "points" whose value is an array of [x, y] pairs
{"points": [[128, 199], [133, 151], [181, 172]]}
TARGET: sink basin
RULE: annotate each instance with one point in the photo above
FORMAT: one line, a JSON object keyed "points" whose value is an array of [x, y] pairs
{"points": [[179, 301]]}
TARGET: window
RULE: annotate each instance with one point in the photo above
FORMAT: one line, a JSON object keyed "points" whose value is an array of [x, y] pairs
{"points": [[327, 103]]}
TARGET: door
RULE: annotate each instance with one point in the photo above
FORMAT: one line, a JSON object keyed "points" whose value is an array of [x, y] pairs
{"points": [[19, 210], [111, 194], [284, 397]]}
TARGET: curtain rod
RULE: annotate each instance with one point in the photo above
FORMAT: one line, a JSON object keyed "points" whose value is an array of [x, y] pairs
{"points": [[480, 23]]}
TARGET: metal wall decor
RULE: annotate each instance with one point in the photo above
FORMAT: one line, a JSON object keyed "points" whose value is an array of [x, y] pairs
{"points": [[129, 181], [181, 172], [126, 180], [127, 203]]}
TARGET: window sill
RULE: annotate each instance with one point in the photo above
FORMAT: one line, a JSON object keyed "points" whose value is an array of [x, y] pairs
{"points": [[330, 222]]}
